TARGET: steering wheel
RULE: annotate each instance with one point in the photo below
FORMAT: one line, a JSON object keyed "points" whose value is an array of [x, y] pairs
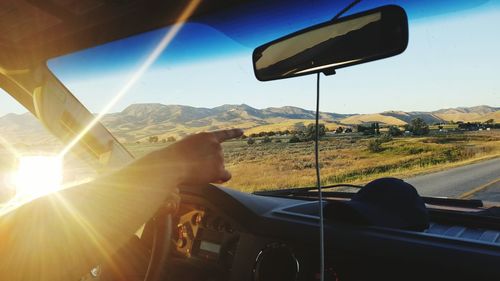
{"points": [[162, 235]]}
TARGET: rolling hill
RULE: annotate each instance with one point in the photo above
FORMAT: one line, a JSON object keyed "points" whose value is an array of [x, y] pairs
{"points": [[469, 114], [19, 129], [140, 121], [371, 118]]}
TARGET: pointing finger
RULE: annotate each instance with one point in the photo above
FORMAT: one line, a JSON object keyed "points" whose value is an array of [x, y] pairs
{"points": [[223, 177], [224, 135]]}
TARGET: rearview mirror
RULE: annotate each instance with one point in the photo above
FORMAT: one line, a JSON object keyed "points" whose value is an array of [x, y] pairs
{"points": [[355, 39]]}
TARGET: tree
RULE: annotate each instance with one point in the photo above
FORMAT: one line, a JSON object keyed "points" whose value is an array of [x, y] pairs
{"points": [[163, 141], [243, 136], [171, 139], [153, 139], [418, 127], [250, 141], [490, 123], [366, 130], [395, 131], [310, 132], [376, 128], [469, 126], [339, 130], [348, 130]]}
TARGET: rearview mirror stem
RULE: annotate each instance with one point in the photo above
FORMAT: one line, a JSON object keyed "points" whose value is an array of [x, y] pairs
{"points": [[343, 11]]}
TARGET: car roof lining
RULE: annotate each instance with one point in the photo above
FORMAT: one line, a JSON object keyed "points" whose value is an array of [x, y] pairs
{"points": [[37, 30]]}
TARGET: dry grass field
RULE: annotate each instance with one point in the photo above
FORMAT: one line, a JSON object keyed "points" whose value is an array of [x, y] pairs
{"points": [[346, 159]]}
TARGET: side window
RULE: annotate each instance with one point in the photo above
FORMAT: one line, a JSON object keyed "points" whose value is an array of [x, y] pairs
{"points": [[29, 161]]}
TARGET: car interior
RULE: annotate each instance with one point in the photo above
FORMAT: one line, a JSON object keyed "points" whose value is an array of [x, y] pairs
{"points": [[218, 232]]}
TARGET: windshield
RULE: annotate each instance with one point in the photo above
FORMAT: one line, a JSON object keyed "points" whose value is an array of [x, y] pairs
{"points": [[432, 109]]}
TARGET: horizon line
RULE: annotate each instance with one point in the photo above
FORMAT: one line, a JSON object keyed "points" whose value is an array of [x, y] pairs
{"points": [[328, 112]]}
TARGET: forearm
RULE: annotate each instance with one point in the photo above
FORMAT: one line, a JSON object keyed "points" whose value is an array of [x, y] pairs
{"points": [[63, 235]]}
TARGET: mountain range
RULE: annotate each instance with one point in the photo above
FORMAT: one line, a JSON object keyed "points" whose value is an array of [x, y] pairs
{"points": [[138, 122]]}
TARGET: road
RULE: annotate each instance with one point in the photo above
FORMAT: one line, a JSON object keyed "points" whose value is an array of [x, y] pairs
{"points": [[480, 180]]}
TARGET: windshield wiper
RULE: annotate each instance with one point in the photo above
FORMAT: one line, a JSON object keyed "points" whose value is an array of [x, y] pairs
{"points": [[311, 192], [303, 191]]}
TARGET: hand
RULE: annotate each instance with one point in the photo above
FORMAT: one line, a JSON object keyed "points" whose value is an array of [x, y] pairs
{"points": [[196, 159]]}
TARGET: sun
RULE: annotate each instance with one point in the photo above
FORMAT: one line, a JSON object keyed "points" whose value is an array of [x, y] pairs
{"points": [[38, 175]]}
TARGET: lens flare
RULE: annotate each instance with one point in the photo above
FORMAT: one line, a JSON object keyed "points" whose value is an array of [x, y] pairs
{"points": [[38, 175], [136, 76]]}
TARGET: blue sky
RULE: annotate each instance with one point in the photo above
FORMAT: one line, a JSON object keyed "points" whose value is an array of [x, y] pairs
{"points": [[451, 61]]}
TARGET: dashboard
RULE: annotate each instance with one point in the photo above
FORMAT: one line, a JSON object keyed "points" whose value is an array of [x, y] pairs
{"points": [[223, 234]]}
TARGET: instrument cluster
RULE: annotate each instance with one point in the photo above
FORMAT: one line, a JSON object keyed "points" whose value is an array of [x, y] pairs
{"points": [[207, 237]]}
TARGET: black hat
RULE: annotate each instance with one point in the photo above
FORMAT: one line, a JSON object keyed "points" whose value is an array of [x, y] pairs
{"points": [[387, 202]]}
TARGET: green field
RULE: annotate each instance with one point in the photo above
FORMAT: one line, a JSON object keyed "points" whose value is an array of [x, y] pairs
{"points": [[346, 158]]}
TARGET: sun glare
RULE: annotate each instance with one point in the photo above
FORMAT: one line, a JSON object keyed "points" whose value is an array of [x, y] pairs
{"points": [[38, 175], [136, 76]]}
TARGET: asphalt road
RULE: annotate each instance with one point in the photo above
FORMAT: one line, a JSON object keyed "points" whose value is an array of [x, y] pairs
{"points": [[480, 180]]}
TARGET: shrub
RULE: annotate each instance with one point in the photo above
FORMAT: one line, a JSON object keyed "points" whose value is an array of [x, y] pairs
{"points": [[266, 140], [385, 138], [171, 139], [294, 139], [375, 145], [415, 150], [250, 141]]}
